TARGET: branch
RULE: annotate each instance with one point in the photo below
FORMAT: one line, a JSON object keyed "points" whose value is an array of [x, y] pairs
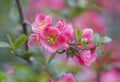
{"points": [[23, 19]]}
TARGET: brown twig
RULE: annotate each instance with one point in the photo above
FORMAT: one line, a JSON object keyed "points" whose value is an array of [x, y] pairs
{"points": [[23, 19]]}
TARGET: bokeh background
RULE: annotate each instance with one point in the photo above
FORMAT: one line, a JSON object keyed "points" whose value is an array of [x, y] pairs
{"points": [[101, 15]]}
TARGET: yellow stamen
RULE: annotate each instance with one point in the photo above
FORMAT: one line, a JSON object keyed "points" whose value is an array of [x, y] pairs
{"points": [[51, 39], [43, 24]]}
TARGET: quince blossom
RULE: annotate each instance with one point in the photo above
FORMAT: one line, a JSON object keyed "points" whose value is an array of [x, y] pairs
{"points": [[51, 38], [41, 21], [86, 56], [65, 29]]}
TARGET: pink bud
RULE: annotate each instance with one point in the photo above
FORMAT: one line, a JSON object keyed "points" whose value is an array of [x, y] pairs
{"points": [[66, 46]]}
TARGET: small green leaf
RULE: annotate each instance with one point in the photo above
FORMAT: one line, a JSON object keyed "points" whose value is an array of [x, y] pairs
{"points": [[20, 41], [78, 34], [4, 44], [84, 45], [74, 70], [11, 43], [105, 40], [96, 39], [96, 7], [2, 76]]}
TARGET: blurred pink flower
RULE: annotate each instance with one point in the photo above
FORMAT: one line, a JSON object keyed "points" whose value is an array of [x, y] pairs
{"points": [[10, 70], [33, 41], [111, 75], [90, 19], [50, 80], [39, 5], [67, 78], [86, 75], [85, 57], [111, 6], [41, 21]]}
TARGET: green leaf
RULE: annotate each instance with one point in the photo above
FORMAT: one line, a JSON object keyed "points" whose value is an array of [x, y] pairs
{"points": [[96, 39], [77, 11], [105, 40], [4, 44], [74, 70], [10, 42], [20, 41], [2, 76], [78, 34], [84, 45], [96, 7]]}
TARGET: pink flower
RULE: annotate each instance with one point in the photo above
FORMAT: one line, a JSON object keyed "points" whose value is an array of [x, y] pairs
{"points": [[108, 5], [87, 36], [51, 39], [65, 29], [85, 57], [41, 21], [33, 40], [86, 75], [111, 75], [67, 78]]}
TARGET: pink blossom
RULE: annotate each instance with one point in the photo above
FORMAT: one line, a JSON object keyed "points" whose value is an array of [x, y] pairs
{"points": [[111, 75], [91, 19], [51, 39], [85, 57], [65, 29], [67, 78], [41, 21], [87, 36], [34, 40]]}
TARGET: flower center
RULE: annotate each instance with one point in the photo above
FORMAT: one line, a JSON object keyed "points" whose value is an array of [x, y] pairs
{"points": [[51, 39], [43, 24]]}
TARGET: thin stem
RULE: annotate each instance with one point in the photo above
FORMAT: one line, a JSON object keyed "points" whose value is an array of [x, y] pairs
{"points": [[23, 19], [51, 57]]}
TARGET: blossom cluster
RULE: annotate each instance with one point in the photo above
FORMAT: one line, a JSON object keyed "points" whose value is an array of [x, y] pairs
{"points": [[61, 38]]}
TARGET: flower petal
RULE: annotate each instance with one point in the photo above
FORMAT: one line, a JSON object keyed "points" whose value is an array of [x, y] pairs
{"points": [[33, 41], [87, 33]]}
